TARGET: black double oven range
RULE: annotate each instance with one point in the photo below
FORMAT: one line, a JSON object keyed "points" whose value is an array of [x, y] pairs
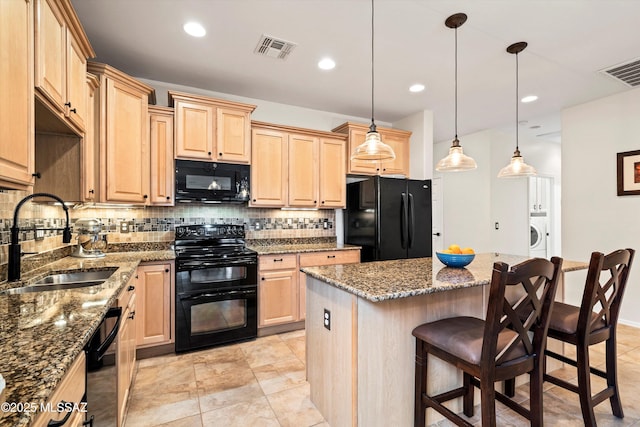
{"points": [[216, 286]]}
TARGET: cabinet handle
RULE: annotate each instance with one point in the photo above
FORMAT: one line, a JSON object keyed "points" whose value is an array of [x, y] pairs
{"points": [[168, 197], [38, 175], [331, 256], [315, 201], [60, 423], [132, 315], [220, 154], [323, 202], [166, 270], [209, 153], [73, 110], [91, 191], [436, 234], [262, 278], [136, 276], [145, 196], [278, 260], [254, 200], [131, 288], [67, 104], [384, 169]]}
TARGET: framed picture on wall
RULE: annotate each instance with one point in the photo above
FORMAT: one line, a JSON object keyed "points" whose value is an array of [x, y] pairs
{"points": [[629, 173]]}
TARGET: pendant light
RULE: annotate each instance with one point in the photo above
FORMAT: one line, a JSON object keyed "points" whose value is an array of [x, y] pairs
{"points": [[516, 167], [456, 161], [373, 149]]}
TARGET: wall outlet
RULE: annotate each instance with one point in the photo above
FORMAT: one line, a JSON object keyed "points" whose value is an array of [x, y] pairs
{"points": [[327, 319], [125, 226]]}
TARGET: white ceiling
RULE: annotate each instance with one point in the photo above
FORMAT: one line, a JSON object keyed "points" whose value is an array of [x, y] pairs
{"points": [[569, 42]]}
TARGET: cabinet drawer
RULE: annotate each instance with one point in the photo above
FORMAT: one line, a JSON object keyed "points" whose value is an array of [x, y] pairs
{"points": [[329, 258], [71, 390], [277, 262]]}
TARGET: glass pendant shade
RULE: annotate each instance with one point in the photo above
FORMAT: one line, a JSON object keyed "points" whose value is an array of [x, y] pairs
{"points": [[373, 149], [456, 160], [516, 168]]}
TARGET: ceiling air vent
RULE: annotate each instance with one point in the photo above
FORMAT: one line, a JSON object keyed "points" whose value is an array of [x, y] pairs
{"points": [[628, 73], [273, 47]]}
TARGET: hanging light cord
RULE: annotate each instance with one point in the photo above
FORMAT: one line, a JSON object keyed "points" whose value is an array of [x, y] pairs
{"points": [[456, 85], [372, 128], [517, 95]]}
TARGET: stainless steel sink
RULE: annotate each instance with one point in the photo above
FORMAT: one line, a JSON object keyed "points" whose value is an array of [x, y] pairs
{"points": [[69, 280], [76, 277]]}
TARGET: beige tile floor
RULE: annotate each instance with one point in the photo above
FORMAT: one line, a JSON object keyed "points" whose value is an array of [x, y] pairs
{"points": [[262, 383]]}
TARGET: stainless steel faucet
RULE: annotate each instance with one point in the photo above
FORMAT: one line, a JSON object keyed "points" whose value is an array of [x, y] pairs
{"points": [[14, 247]]}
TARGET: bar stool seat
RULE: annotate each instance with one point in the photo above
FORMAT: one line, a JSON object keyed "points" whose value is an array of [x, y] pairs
{"points": [[510, 342]]}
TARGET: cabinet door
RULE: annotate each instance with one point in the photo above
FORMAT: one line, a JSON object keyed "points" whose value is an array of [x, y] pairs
{"points": [[303, 171], [51, 43], [233, 136], [76, 83], [269, 168], [277, 297], [16, 86], [127, 145], [161, 147], [153, 295], [333, 174], [400, 165], [194, 130], [357, 137]]}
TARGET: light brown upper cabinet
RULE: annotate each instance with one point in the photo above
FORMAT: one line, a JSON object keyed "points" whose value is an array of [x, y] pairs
{"points": [[122, 132], [61, 52], [296, 167], [211, 129], [399, 140], [161, 146], [17, 160]]}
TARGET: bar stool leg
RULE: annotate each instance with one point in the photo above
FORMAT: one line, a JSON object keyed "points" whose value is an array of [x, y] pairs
{"points": [[488, 404], [612, 375], [467, 400], [421, 384], [535, 392], [584, 384]]}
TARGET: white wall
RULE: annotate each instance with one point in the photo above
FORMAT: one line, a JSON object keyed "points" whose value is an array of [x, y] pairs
{"points": [[421, 126], [475, 200], [594, 218]]}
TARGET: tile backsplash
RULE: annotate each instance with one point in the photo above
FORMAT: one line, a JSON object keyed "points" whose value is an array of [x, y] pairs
{"points": [[153, 224]]}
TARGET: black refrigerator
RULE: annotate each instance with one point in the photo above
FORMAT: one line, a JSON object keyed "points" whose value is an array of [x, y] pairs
{"points": [[389, 218]]}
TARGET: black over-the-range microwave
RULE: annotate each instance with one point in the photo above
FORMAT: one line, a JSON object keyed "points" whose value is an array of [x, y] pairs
{"points": [[209, 182]]}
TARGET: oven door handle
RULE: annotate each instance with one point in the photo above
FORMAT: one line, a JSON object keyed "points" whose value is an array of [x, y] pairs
{"points": [[194, 264], [102, 348], [217, 294]]}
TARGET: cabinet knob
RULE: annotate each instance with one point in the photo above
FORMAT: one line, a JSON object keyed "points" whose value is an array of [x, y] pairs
{"points": [[73, 110], [131, 287], [168, 197], [91, 191], [166, 270], [67, 104], [209, 153], [145, 196], [323, 202], [37, 175], [219, 154], [132, 315], [254, 200], [377, 169], [262, 278]]}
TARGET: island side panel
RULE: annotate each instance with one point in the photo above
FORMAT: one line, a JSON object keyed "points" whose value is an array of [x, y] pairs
{"points": [[331, 354], [386, 358]]}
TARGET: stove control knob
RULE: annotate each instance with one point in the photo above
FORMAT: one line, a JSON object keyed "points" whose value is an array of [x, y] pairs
{"points": [[180, 232]]}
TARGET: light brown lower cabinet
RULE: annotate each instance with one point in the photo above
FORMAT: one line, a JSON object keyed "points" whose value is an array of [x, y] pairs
{"points": [[126, 347], [282, 287], [70, 390], [155, 292]]}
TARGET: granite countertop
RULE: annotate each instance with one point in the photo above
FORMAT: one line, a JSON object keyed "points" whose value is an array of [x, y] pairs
{"points": [[384, 280], [42, 333], [276, 249]]}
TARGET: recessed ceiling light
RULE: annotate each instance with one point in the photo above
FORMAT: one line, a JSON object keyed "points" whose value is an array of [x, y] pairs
{"points": [[529, 98], [194, 29], [327, 64], [416, 88]]}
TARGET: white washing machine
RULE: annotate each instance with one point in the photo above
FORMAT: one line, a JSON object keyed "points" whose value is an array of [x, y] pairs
{"points": [[538, 225]]}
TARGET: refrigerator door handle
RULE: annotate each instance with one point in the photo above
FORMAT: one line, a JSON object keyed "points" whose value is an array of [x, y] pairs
{"points": [[411, 221], [403, 221]]}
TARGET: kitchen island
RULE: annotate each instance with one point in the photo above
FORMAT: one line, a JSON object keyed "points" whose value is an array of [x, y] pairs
{"points": [[361, 365]]}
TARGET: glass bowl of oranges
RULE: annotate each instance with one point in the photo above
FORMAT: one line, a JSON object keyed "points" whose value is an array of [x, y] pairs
{"points": [[455, 256]]}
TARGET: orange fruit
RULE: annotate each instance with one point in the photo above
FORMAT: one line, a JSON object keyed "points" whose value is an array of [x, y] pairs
{"points": [[467, 251], [455, 249], [446, 251]]}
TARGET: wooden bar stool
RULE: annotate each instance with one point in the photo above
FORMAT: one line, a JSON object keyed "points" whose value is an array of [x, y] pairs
{"points": [[593, 322], [507, 344]]}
